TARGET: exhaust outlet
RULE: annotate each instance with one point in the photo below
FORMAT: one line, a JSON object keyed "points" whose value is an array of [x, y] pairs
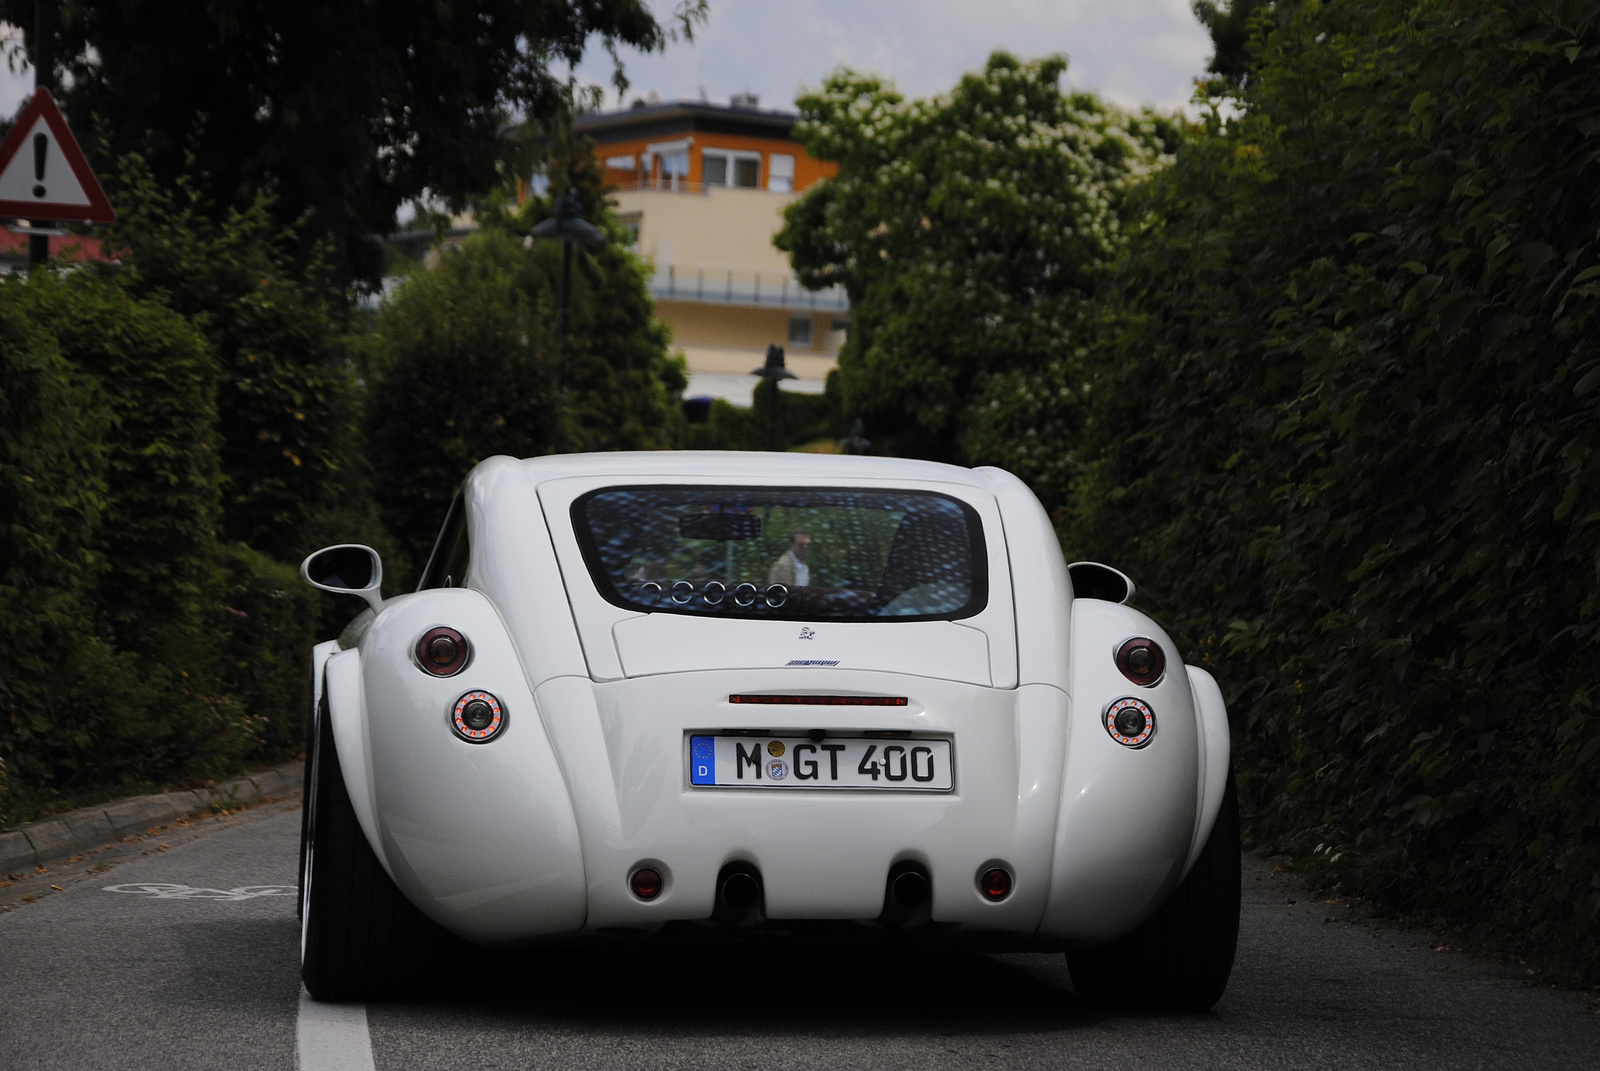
{"points": [[906, 896], [738, 900], [739, 892], [909, 889]]}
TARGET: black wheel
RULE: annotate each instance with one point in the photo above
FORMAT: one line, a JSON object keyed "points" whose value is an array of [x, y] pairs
{"points": [[360, 938], [1179, 959]]}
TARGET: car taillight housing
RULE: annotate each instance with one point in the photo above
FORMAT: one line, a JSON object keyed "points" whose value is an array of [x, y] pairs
{"points": [[646, 883], [478, 717], [1130, 722], [1142, 661], [995, 884], [443, 652]]}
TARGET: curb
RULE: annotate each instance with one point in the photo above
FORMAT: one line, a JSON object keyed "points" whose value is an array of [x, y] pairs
{"points": [[51, 840]]}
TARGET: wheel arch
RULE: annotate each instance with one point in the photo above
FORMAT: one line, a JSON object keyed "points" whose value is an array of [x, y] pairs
{"points": [[1216, 755], [346, 695]]}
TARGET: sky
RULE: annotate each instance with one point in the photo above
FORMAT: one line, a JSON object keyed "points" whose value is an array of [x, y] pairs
{"points": [[1133, 52]]}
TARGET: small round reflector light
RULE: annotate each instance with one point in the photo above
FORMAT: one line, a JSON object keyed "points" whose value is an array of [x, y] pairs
{"points": [[1130, 722], [478, 717], [1142, 661], [443, 652], [646, 883], [995, 883]]}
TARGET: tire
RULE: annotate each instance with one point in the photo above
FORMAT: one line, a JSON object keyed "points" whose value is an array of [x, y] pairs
{"points": [[1179, 959], [360, 938]]}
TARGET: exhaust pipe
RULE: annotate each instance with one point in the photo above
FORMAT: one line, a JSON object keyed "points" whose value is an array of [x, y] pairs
{"points": [[738, 896], [906, 895], [909, 889], [739, 891]]}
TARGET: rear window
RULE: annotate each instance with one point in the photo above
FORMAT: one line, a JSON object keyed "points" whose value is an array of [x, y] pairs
{"points": [[785, 553]]}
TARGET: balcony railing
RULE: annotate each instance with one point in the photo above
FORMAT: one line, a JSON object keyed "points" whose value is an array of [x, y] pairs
{"points": [[665, 183], [669, 184], [719, 284]]}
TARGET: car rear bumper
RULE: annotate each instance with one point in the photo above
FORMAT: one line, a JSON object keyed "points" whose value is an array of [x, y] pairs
{"points": [[537, 833]]}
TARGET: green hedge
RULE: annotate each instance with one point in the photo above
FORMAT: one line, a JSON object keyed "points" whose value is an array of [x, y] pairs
{"points": [[1346, 441], [802, 419], [268, 620], [138, 654]]}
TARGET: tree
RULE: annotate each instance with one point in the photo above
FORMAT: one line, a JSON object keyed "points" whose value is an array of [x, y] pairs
{"points": [[467, 350], [1229, 23], [344, 108], [969, 231], [286, 394]]}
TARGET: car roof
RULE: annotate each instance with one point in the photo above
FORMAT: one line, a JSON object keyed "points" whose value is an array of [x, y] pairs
{"points": [[757, 467]]}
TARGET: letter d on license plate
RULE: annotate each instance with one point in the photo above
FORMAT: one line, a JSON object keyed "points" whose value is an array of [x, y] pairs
{"points": [[900, 764]]}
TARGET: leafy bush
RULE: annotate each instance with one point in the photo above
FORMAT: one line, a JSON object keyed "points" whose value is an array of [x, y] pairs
{"points": [[287, 395], [158, 384], [467, 362], [109, 592], [1345, 440], [267, 619], [802, 419]]}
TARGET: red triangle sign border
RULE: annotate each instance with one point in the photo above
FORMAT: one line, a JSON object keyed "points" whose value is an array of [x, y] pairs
{"points": [[98, 210]]}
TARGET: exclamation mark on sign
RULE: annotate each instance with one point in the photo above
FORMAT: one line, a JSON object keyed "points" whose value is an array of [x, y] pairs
{"points": [[41, 143]]}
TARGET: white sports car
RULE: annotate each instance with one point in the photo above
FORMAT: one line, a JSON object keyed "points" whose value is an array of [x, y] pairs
{"points": [[755, 696]]}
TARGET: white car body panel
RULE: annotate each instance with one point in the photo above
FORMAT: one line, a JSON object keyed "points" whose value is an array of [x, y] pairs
{"points": [[535, 833]]}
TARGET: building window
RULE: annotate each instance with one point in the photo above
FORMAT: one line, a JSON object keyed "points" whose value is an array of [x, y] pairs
{"points": [[800, 331], [725, 167], [620, 163], [780, 173]]}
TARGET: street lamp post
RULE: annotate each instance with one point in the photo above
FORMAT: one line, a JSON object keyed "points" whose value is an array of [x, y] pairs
{"points": [[568, 226], [858, 442], [772, 372]]}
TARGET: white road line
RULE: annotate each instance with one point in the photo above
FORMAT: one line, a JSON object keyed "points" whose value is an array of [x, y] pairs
{"points": [[333, 1037]]}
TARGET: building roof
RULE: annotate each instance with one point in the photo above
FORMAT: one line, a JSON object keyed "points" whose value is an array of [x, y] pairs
{"points": [[76, 247], [684, 117]]}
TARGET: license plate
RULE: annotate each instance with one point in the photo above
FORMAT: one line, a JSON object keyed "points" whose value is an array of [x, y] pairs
{"points": [[903, 765]]}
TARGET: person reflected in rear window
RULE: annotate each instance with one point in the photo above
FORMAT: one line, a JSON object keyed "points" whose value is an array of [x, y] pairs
{"points": [[791, 567], [788, 553]]}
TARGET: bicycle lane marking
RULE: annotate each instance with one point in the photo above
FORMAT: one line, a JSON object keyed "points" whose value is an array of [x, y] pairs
{"points": [[333, 1037]]}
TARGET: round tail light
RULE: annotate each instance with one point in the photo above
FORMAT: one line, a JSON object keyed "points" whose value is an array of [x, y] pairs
{"points": [[1130, 722], [995, 883], [1142, 661], [646, 883], [478, 717], [443, 652]]}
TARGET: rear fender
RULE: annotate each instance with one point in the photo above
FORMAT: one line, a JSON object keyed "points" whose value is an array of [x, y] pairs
{"points": [[480, 836], [1128, 816], [347, 709], [1216, 749]]}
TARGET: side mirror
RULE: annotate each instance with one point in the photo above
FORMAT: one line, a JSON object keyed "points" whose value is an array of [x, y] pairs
{"points": [[348, 569], [1091, 580]]}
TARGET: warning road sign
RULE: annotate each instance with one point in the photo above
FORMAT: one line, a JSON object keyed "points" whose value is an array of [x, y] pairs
{"points": [[43, 174]]}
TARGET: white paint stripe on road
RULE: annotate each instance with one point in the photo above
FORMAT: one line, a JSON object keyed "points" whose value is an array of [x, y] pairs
{"points": [[333, 1037]]}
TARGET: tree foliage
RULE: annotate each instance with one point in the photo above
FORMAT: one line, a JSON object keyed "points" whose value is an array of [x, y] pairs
{"points": [[468, 352], [286, 393], [1230, 23], [970, 230], [108, 602], [346, 108], [1346, 442]]}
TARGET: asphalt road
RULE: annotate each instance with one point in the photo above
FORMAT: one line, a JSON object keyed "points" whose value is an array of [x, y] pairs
{"points": [[186, 958]]}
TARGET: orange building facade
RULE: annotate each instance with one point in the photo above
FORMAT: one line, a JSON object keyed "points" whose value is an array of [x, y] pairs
{"points": [[704, 187]]}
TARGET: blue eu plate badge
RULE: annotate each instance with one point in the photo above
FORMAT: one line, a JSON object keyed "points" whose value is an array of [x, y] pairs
{"points": [[702, 760]]}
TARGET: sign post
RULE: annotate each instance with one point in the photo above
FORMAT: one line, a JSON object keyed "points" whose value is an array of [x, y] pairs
{"points": [[43, 174]]}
